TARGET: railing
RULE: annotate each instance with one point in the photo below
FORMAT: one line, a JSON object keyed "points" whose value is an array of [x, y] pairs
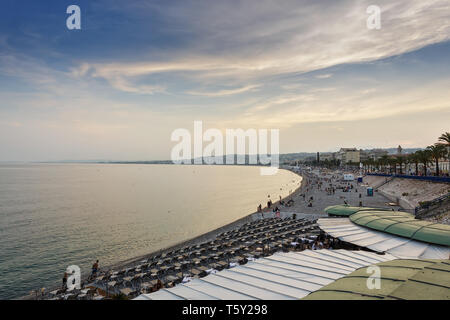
{"points": [[384, 182], [427, 206], [424, 178]]}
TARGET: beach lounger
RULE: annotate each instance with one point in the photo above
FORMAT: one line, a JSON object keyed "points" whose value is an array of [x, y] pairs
{"points": [[198, 273], [127, 291]]}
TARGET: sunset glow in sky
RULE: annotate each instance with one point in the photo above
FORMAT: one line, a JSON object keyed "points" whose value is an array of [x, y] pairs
{"points": [[137, 70]]}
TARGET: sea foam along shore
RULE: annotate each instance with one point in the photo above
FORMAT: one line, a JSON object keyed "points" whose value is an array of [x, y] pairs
{"points": [[206, 237]]}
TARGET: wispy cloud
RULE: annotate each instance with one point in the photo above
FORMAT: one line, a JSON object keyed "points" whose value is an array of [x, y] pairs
{"points": [[242, 41], [346, 106], [142, 68], [225, 92], [324, 76]]}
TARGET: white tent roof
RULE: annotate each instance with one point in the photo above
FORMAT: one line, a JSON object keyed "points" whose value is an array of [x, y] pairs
{"points": [[282, 276], [400, 247]]}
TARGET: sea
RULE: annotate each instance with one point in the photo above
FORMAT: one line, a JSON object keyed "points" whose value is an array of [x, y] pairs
{"points": [[56, 215]]}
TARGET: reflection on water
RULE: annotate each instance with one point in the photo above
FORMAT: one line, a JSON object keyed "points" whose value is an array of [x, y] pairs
{"points": [[55, 215]]}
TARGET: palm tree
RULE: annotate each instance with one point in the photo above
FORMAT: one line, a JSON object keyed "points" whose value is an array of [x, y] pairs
{"points": [[366, 165], [377, 164], [414, 158], [424, 157], [370, 164], [437, 152], [392, 164], [400, 160], [384, 160], [445, 139]]}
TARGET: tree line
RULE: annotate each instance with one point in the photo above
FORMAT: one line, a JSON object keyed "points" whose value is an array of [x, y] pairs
{"points": [[431, 154]]}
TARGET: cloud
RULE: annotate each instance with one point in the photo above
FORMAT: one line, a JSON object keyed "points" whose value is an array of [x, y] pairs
{"points": [[235, 41], [266, 58], [124, 85], [348, 106], [324, 76], [226, 92]]}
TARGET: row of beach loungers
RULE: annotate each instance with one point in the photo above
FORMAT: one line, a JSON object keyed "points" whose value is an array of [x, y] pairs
{"points": [[251, 241]]}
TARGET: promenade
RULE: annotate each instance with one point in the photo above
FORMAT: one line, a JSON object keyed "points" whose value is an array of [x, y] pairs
{"points": [[315, 184]]}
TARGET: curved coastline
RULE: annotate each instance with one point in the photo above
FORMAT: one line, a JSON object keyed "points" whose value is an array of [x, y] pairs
{"points": [[205, 237], [208, 236]]}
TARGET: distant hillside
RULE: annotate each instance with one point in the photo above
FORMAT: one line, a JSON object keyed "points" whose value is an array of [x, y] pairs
{"points": [[406, 150], [284, 158]]}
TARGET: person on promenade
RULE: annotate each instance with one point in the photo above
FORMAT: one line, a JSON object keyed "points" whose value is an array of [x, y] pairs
{"points": [[94, 269], [260, 208]]}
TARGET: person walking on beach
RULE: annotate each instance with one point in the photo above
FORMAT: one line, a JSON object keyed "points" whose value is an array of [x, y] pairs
{"points": [[64, 280], [94, 269]]}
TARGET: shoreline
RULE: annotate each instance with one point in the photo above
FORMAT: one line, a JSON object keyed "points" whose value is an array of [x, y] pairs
{"points": [[312, 185], [205, 237]]}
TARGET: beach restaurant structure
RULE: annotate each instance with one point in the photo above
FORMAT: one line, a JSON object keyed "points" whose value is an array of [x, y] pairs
{"points": [[412, 257]]}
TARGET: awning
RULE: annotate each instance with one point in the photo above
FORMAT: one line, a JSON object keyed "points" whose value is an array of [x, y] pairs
{"points": [[282, 276], [400, 247]]}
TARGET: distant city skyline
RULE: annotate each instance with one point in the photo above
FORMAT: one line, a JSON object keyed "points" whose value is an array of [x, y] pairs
{"points": [[137, 70]]}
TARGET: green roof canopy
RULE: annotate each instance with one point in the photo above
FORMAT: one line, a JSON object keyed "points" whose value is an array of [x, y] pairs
{"points": [[345, 210], [399, 279], [403, 224]]}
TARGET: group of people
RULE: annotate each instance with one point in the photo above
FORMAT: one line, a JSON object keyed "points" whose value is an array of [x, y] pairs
{"points": [[329, 185], [331, 190], [322, 241], [310, 199], [288, 203]]}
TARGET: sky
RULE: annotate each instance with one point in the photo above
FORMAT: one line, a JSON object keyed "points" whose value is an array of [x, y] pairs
{"points": [[138, 70]]}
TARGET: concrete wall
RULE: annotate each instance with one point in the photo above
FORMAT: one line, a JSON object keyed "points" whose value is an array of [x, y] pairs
{"points": [[408, 193]]}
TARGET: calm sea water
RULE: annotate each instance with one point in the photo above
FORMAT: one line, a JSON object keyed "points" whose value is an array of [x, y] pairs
{"points": [[56, 215]]}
